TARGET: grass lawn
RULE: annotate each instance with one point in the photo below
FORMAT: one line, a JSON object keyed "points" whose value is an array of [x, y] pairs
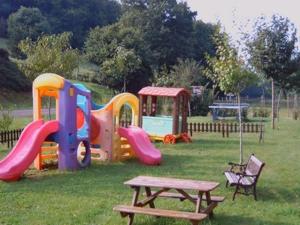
{"points": [[88, 196]]}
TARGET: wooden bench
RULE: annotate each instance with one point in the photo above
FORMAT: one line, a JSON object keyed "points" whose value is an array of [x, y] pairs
{"points": [[127, 210], [244, 176], [182, 198]]}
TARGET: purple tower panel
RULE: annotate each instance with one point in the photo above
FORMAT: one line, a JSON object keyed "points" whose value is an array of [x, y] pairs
{"points": [[68, 140]]}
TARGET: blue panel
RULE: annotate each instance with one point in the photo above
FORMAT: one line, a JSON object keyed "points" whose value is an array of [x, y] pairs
{"points": [[159, 125]]}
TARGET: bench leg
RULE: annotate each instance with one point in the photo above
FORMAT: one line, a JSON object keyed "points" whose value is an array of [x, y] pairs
{"points": [[254, 192], [227, 183], [135, 198], [199, 202], [236, 191], [195, 222], [130, 219], [148, 193], [208, 202]]}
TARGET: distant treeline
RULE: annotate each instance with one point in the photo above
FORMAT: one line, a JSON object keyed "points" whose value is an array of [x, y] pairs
{"points": [[133, 42], [76, 16]]}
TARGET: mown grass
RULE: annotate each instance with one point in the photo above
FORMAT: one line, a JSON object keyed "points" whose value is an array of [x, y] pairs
{"points": [[88, 196]]}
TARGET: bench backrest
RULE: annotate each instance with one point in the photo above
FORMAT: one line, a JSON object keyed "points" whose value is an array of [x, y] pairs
{"points": [[254, 166]]}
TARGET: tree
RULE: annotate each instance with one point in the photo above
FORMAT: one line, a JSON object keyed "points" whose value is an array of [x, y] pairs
{"points": [[25, 23], [203, 43], [79, 16], [104, 46], [50, 53], [229, 73], [168, 31], [117, 71], [272, 51]]}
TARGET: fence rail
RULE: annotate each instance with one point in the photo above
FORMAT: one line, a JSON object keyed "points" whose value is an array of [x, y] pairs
{"points": [[226, 128], [10, 136]]}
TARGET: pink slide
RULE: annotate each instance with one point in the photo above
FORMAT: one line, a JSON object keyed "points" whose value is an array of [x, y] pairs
{"points": [[141, 144], [28, 146]]}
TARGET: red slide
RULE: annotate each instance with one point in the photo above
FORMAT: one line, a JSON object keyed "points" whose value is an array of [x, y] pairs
{"points": [[28, 146], [141, 144]]}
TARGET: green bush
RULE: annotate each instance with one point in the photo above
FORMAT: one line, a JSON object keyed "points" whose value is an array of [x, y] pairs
{"points": [[261, 112], [200, 103], [6, 119]]}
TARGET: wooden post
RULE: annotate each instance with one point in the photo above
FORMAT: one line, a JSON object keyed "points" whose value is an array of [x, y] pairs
{"points": [[184, 113], [143, 109], [175, 115], [273, 105]]}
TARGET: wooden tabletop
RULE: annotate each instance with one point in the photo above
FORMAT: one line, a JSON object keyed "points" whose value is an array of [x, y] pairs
{"points": [[173, 183]]}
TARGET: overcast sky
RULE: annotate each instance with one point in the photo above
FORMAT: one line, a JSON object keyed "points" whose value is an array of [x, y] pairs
{"points": [[236, 13]]}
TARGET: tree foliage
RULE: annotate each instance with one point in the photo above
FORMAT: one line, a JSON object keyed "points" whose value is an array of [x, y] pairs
{"points": [[25, 23], [76, 16], [158, 32], [119, 70], [272, 49], [226, 69], [50, 53], [183, 74]]}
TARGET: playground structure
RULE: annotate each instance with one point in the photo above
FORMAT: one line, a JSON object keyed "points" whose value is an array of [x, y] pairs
{"points": [[78, 133], [161, 127]]}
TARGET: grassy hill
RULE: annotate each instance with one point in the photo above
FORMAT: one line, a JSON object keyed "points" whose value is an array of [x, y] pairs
{"points": [[21, 100]]}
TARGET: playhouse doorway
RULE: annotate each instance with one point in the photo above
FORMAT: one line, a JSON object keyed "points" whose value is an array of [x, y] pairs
{"points": [[126, 115]]}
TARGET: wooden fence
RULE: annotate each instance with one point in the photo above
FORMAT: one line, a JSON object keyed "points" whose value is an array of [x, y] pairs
{"points": [[226, 128], [10, 136]]}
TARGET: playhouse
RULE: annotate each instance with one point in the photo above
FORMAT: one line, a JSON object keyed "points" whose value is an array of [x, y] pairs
{"points": [[161, 127]]}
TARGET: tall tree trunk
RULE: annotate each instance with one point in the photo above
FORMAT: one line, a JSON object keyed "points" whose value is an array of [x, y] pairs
{"points": [[295, 110], [273, 104], [241, 129], [288, 104], [278, 105]]}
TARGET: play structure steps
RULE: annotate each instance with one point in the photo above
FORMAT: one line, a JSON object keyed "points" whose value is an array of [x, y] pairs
{"points": [[49, 150]]}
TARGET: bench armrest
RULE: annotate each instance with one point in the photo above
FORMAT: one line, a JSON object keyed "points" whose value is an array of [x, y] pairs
{"points": [[243, 175], [236, 164], [237, 168]]}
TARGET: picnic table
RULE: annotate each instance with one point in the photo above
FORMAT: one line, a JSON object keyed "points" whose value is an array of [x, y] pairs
{"points": [[170, 188]]}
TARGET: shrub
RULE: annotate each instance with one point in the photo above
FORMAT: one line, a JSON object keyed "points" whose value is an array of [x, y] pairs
{"points": [[261, 112], [200, 103], [6, 119]]}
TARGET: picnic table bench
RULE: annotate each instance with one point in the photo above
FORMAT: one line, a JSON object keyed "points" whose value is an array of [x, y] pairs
{"points": [[163, 186]]}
